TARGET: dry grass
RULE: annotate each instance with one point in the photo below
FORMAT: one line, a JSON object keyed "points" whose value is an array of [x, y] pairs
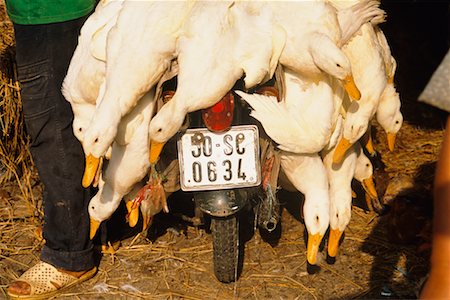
{"points": [[15, 159]]}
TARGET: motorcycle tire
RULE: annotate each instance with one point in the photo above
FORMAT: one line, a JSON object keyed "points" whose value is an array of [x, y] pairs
{"points": [[225, 235]]}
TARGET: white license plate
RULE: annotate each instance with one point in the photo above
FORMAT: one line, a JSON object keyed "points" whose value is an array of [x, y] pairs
{"points": [[210, 160]]}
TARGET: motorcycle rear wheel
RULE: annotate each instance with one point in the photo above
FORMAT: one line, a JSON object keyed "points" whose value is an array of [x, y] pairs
{"points": [[225, 235]]}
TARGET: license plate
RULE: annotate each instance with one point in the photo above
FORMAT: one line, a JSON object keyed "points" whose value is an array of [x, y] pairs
{"points": [[210, 160]]}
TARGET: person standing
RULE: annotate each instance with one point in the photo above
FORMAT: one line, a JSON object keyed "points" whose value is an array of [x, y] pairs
{"points": [[46, 33], [437, 286]]}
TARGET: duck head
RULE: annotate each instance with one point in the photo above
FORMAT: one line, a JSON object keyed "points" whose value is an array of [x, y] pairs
{"points": [[97, 139], [364, 174], [389, 115], [340, 214], [331, 59], [166, 122], [102, 206], [316, 214], [354, 127], [81, 119]]}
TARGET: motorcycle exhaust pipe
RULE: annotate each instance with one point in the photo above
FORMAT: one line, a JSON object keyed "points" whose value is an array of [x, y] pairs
{"points": [[270, 224], [269, 211]]}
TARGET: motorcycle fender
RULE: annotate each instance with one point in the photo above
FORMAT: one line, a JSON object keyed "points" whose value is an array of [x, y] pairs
{"points": [[221, 203]]}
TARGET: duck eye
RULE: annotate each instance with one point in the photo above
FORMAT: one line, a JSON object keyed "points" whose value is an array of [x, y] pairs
{"points": [[396, 122], [338, 65], [160, 130], [367, 165], [96, 140], [93, 207], [80, 129]]}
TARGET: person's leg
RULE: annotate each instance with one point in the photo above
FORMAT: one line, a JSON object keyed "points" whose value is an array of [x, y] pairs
{"points": [[43, 54], [437, 285]]}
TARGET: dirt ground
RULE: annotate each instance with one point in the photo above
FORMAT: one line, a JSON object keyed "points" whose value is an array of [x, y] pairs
{"points": [[381, 257]]}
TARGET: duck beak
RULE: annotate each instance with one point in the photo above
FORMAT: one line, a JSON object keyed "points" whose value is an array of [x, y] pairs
{"points": [[93, 228], [368, 142], [340, 150], [155, 151], [90, 170], [333, 242], [369, 187], [391, 141], [133, 213], [313, 247], [349, 85]]}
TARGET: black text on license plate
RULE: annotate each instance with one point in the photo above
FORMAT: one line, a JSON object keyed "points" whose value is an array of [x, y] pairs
{"points": [[220, 160]]}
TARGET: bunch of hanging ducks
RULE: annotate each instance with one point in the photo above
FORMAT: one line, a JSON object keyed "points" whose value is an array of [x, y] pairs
{"points": [[336, 70]]}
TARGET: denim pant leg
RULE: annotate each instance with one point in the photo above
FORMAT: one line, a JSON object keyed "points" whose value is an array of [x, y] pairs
{"points": [[43, 54]]}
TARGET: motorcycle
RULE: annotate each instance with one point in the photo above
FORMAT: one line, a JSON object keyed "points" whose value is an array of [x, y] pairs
{"points": [[220, 164]]}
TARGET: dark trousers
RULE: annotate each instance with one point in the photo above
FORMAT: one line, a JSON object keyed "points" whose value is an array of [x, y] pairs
{"points": [[43, 54]]}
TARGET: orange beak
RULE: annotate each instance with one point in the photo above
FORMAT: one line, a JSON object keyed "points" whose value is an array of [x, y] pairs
{"points": [[93, 228], [369, 187], [90, 170], [340, 150], [155, 151], [333, 242], [350, 86], [313, 247], [391, 141], [368, 142]]}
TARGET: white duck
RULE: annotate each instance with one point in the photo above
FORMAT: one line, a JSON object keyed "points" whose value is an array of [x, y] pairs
{"points": [[314, 35], [388, 114], [307, 111], [303, 123], [128, 165], [389, 61], [307, 174], [260, 40], [354, 165], [86, 72], [217, 48], [368, 68], [136, 63]]}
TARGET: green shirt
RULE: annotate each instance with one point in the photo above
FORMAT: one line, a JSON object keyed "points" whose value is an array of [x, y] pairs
{"points": [[28, 12]]}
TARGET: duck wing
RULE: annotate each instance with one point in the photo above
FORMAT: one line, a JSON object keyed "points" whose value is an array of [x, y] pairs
{"points": [[86, 70], [260, 40], [389, 61], [281, 126], [353, 17]]}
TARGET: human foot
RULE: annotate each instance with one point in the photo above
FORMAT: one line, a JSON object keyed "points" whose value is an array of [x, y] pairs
{"points": [[44, 280]]}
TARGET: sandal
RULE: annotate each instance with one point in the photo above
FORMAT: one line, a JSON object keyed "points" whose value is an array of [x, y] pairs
{"points": [[46, 281]]}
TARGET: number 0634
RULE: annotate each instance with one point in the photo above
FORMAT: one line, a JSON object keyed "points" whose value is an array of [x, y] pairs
{"points": [[210, 160]]}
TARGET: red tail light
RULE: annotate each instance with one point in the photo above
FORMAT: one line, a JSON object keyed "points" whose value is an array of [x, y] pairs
{"points": [[219, 116]]}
